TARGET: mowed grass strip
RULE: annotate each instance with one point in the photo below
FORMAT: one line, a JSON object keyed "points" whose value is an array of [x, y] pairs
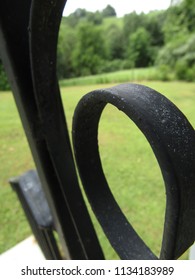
{"points": [[122, 76], [128, 161]]}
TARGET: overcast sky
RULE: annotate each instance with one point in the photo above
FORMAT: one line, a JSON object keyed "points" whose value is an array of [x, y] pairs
{"points": [[121, 6]]}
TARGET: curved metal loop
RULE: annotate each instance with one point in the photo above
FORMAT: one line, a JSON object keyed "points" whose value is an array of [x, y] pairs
{"points": [[172, 139]]}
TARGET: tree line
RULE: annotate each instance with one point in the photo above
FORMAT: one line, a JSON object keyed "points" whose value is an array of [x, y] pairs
{"points": [[92, 43]]}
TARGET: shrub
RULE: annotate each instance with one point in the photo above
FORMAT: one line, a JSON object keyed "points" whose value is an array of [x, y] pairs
{"points": [[181, 68], [190, 74], [164, 72], [4, 84], [112, 66], [184, 71]]}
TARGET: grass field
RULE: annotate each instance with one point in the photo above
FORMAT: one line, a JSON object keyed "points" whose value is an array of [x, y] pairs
{"points": [[141, 74], [129, 164]]}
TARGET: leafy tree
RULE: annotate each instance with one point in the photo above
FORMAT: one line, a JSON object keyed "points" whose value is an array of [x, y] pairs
{"points": [[139, 48], [95, 18], [109, 11], [179, 50], [66, 44], [79, 13], [115, 42], [90, 51], [89, 45], [132, 22], [186, 51], [154, 22], [188, 9], [77, 16], [174, 26]]}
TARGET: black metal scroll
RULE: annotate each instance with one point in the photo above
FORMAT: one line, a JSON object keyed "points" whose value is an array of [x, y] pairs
{"points": [[28, 43], [172, 139]]}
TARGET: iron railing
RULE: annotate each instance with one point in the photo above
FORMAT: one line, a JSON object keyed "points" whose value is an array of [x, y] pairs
{"points": [[28, 44]]}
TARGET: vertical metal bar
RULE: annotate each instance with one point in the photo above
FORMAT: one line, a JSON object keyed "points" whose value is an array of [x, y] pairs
{"points": [[15, 53], [45, 19]]}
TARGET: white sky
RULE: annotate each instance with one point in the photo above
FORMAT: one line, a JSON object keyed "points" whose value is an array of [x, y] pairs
{"points": [[121, 6]]}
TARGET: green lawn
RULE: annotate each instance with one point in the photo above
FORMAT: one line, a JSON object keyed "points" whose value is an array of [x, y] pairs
{"points": [[139, 74], [129, 164]]}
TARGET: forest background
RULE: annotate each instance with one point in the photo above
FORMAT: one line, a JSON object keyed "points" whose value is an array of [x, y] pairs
{"points": [[98, 42]]}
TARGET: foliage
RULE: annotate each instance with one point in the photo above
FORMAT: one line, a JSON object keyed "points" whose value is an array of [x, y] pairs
{"points": [[96, 18], [99, 42], [109, 11], [188, 9], [132, 22], [66, 43], [186, 51], [179, 34], [139, 48], [4, 84], [89, 51], [173, 26], [164, 73], [154, 23], [184, 72], [115, 42], [181, 69], [168, 54], [78, 15]]}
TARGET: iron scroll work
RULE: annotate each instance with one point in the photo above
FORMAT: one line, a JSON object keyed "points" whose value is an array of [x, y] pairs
{"points": [[28, 43]]}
